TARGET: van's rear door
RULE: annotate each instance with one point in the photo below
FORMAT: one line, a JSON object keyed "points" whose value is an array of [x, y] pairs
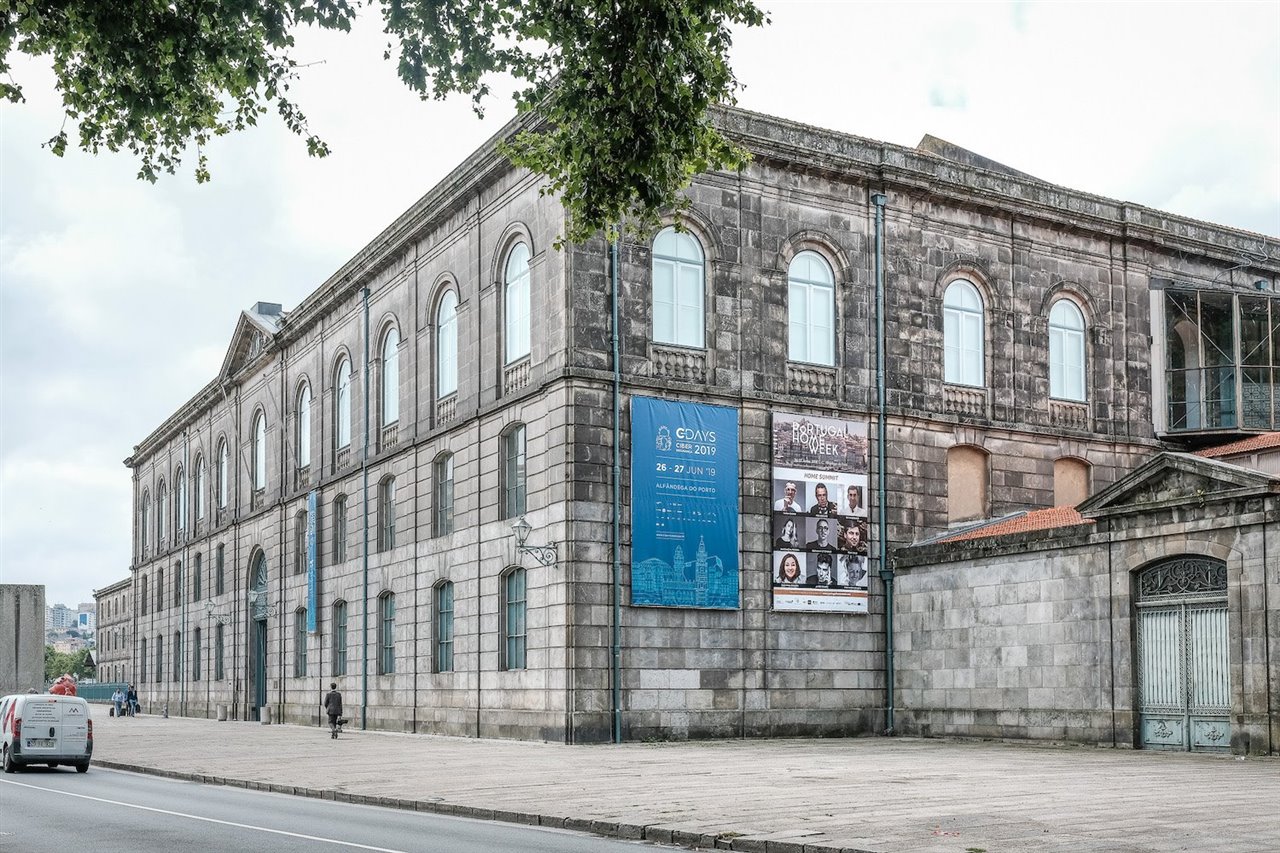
{"points": [[75, 725], [41, 727]]}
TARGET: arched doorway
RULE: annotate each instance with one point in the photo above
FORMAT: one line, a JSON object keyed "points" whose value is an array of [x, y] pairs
{"points": [[1183, 661], [258, 633]]}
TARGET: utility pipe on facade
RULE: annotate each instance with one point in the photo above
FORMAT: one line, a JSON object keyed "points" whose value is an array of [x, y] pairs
{"points": [[616, 644], [364, 500], [886, 573]]}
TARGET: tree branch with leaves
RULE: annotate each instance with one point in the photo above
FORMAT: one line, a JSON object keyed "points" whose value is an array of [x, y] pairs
{"points": [[622, 88]]}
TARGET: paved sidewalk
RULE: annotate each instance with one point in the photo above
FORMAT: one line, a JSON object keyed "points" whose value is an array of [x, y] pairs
{"points": [[770, 796]]}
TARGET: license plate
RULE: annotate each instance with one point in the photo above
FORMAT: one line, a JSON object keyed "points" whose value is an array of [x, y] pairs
{"points": [[41, 742]]}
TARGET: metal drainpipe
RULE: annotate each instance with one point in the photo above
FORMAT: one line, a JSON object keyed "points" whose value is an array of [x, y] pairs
{"points": [[886, 573], [364, 500], [616, 649]]}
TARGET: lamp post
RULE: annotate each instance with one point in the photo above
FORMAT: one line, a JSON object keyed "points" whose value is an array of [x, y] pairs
{"points": [[545, 554]]}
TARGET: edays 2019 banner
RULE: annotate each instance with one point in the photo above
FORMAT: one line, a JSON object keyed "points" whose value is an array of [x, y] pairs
{"points": [[684, 504]]}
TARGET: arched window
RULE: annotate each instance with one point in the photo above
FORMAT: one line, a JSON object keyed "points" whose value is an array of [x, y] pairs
{"points": [[142, 598], [146, 521], [159, 590], [514, 632], [447, 345], [386, 633], [342, 404], [197, 581], [387, 514], [968, 483], [1070, 481], [340, 638], [162, 513], [515, 304], [223, 472], [1066, 351], [196, 659], [177, 655], [300, 643], [513, 472], [142, 661], [811, 310], [963, 335], [339, 528], [678, 287], [444, 627], [300, 542], [260, 452], [159, 658], [304, 426], [180, 501], [200, 488], [391, 377], [443, 475]]}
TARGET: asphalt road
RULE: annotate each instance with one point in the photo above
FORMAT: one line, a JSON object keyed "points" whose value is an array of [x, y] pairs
{"points": [[107, 811]]}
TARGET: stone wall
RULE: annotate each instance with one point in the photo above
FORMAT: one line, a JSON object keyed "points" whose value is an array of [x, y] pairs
{"points": [[21, 638]]}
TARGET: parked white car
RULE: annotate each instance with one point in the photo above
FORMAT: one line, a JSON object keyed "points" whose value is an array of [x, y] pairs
{"points": [[41, 728]]}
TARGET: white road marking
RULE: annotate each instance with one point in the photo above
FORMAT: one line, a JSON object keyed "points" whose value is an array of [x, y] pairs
{"points": [[205, 819]]}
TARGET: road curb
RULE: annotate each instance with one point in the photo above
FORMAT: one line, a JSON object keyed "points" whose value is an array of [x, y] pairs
{"points": [[605, 829]]}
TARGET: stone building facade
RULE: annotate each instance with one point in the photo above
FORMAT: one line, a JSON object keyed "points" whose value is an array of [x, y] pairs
{"points": [[113, 643], [22, 612], [457, 375]]}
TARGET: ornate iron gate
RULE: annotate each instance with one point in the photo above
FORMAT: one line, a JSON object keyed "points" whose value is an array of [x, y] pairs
{"points": [[1184, 680]]}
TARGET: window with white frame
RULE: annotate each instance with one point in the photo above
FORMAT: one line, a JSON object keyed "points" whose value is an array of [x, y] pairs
{"points": [[162, 513], [963, 335], [260, 452], [387, 514], [300, 643], [1066, 351], [300, 542], [200, 487], [444, 627], [180, 501], [811, 310], [513, 472], [340, 638], [342, 404], [304, 426], [516, 304], [223, 472], [679, 285], [391, 377], [514, 632], [443, 471], [447, 345], [386, 633], [339, 528], [146, 520]]}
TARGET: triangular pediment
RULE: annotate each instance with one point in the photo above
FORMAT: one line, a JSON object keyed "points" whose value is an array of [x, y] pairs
{"points": [[1176, 479], [253, 337]]}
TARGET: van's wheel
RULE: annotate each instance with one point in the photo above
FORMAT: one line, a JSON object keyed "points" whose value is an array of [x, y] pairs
{"points": [[82, 767], [10, 766]]}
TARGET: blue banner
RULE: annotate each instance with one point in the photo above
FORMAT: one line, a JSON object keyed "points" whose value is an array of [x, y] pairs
{"points": [[684, 504], [312, 595]]}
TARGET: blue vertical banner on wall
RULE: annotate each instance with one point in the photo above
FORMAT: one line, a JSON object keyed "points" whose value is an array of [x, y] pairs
{"points": [[684, 504], [312, 593]]}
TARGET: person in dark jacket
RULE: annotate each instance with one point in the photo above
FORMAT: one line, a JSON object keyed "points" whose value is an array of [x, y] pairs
{"points": [[333, 707]]}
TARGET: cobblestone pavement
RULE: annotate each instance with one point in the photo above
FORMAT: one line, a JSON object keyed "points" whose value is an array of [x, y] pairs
{"points": [[770, 796]]}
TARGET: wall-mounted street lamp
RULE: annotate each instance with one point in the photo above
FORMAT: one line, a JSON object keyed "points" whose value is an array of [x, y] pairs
{"points": [[220, 618], [259, 606], [544, 554]]}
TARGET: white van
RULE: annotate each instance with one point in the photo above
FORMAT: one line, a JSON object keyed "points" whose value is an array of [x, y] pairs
{"points": [[41, 728]]}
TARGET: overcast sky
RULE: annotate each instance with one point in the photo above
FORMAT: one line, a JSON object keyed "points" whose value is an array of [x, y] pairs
{"points": [[119, 297]]}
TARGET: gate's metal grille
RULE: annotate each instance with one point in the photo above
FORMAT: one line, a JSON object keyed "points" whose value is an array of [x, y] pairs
{"points": [[1184, 681]]}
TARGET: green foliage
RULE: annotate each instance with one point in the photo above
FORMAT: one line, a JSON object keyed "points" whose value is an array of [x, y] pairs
{"points": [[622, 86], [58, 663]]}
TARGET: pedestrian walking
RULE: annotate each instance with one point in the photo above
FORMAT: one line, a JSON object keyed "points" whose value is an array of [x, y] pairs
{"points": [[131, 699], [333, 707], [117, 699]]}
